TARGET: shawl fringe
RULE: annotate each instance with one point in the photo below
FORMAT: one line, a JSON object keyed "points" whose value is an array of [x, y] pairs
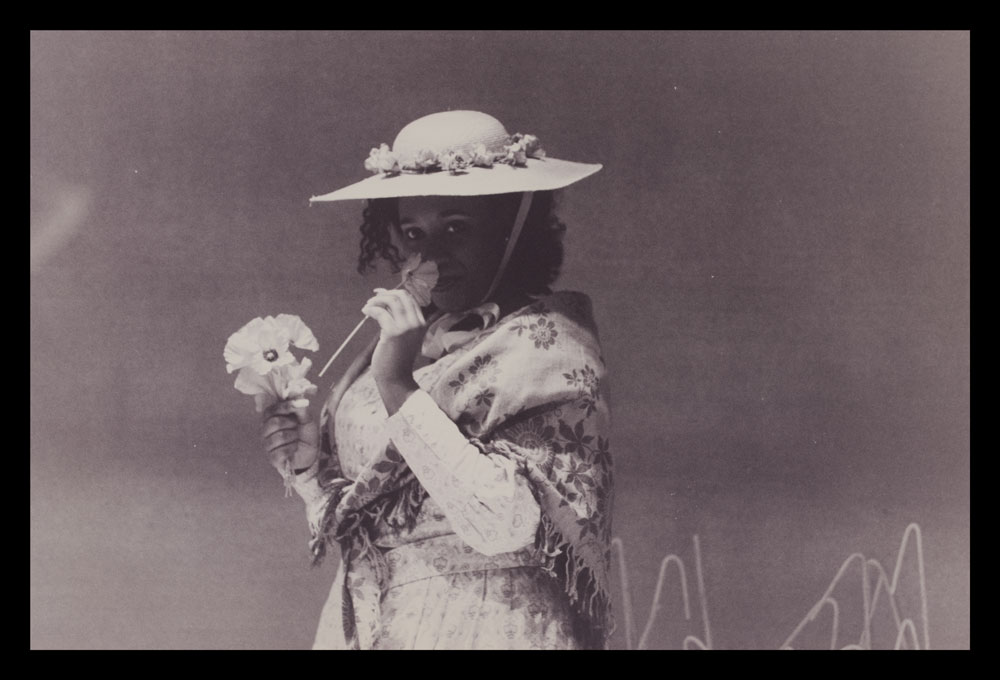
{"points": [[589, 600]]}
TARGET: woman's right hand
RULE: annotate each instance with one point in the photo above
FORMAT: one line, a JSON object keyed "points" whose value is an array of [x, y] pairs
{"points": [[290, 433]]}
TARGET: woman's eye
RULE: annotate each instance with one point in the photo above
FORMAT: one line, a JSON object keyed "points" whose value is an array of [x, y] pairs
{"points": [[457, 227], [413, 234]]}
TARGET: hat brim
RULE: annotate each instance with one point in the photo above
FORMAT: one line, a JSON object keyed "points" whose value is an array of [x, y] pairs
{"points": [[539, 174]]}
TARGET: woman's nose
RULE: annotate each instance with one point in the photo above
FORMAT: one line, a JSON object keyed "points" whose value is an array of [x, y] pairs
{"points": [[434, 248]]}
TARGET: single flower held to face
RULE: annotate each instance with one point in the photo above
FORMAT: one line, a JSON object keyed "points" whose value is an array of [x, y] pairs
{"points": [[419, 278]]}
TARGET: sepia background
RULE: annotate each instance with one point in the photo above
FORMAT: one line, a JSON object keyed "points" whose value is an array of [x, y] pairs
{"points": [[777, 251]]}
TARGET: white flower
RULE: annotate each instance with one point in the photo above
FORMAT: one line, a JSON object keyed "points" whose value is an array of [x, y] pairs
{"points": [[424, 160], [482, 157], [455, 161], [299, 333], [515, 154], [382, 160], [532, 147], [262, 344], [249, 381], [291, 380], [521, 147], [285, 382]]}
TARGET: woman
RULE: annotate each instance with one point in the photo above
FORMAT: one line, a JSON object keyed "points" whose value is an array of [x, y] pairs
{"points": [[462, 465]]}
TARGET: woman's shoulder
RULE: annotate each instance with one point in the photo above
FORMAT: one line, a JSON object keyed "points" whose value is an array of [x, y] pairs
{"points": [[548, 329], [566, 307]]}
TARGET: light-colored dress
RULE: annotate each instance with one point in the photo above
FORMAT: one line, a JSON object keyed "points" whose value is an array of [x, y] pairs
{"points": [[472, 568]]}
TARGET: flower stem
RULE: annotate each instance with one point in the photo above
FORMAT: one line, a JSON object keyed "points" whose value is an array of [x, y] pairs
{"points": [[344, 343]]}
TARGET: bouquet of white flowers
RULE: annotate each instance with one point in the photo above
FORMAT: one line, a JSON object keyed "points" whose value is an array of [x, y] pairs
{"points": [[261, 352]]}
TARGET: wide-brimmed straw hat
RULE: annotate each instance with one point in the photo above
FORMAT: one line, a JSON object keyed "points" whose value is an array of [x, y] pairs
{"points": [[460, 153]]}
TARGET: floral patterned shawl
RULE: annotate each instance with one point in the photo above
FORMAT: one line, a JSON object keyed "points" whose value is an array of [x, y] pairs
{"points": [[528, 388]]}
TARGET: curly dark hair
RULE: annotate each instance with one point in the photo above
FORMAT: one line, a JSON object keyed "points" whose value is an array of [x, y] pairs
{"points": [[533, 267]]}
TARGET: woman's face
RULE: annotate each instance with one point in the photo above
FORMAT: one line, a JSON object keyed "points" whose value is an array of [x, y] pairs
{"points": [[464, 235]]}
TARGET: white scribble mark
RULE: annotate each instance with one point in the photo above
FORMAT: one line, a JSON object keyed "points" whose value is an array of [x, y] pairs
{"points": [[689, 640], [906, 630], [655, 608], [626, 593], [870, 599], [701, 596]]}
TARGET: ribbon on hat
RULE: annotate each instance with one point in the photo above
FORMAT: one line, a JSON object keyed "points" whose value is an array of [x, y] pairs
{"points": [[440, 339]]}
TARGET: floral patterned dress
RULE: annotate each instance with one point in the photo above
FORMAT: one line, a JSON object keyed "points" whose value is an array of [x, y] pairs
{"points": [[476, 561]]}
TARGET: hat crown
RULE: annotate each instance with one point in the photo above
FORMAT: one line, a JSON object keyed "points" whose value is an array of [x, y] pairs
{"points": [[451, 131]]}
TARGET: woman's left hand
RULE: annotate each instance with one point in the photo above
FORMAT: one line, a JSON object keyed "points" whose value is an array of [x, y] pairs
{"points": [[403, 327]]}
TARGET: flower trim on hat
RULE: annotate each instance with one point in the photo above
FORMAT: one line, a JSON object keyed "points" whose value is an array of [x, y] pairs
{"points": [[516, 152]]}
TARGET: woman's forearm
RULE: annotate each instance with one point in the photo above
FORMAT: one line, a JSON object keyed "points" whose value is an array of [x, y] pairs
{"points": [[395, 391]]}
